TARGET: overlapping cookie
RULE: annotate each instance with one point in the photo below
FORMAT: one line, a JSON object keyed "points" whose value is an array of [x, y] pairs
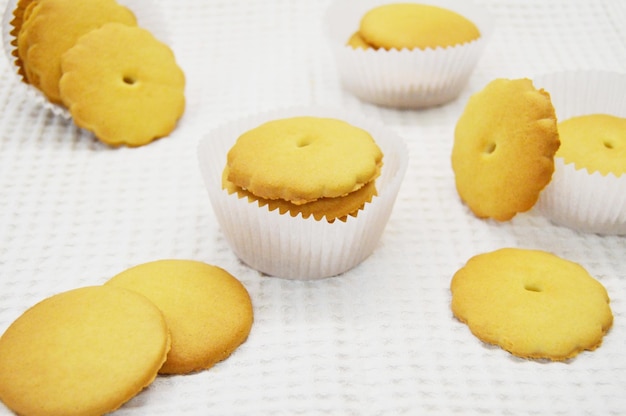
{"points": [[45, 31], [207, 310], [51, 27], [87, 351], [123, 84], [305, 165]]}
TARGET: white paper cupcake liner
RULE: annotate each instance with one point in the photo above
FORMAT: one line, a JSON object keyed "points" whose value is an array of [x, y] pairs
{"points": [[293, 247], [406, 78], [149, 16], [575, 198]]}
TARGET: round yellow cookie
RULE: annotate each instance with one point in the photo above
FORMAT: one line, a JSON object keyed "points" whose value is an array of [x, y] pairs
{"points": [[596, 142], [415, 26], [302, 159], [504, 146], [82, 352], [531, 303], [122, 84], [208, 311], [52, 27]]}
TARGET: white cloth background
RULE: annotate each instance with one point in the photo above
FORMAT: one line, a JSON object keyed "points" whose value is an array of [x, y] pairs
{"points": [[381, 338]]}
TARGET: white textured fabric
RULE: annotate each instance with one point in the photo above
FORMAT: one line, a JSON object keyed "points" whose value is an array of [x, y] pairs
{"points": [[377, 340]]}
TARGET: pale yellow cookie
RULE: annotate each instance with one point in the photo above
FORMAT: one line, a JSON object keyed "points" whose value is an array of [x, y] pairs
{"points": [[53, 27], [504, 146], [328, 208], [415, 26], [356, 41], [82, 352], [123, 84], [531, 303], [596, 142], [20, 14], [208, 311], [303, 159]]}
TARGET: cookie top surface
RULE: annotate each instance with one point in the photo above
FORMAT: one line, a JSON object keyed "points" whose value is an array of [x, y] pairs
{"points": [[412, 25], [53, 27], [531, 303], [208, 311], [596, 142], [504, 147], [302, 159], [123, 84], [82, 352]]}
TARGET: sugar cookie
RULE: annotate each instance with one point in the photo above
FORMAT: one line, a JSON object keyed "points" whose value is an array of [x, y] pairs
{"points": [[596, 142], [303, 159], [504, 146], [53, 27], [208, 311], [531, 303], [82, 352], [415, 26], [123, 84], [328, 208], [357, 41], [19, 14]]}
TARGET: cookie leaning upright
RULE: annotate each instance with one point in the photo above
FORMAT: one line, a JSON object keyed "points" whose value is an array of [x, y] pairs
{"points": [[415, 26], [304, 159], [123, 84], [51, 27], [504, 147], [406, 54]]}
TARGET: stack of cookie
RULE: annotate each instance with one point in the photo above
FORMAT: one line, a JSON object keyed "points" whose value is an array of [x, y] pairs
{"points": [[302, 193], [315, 166], [406, 54], [89, 350], [510, 154], [412, 26], [115, 78]]}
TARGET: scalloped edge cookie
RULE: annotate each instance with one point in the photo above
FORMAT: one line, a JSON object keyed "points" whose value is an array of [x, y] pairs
{"points": [[504, 147]]}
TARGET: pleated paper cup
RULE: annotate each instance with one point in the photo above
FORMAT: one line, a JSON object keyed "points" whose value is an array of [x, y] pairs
{"points": [[403, 78], [576, 198], [289, 247], [149, 16]]}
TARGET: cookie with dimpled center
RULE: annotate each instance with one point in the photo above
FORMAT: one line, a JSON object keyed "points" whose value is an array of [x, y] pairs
{"points": [[504, 147], [123, 84], [596, 142], [303, 159], [52, 27], [531, 303]]}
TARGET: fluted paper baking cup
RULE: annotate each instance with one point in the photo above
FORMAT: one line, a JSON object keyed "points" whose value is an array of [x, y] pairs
{"points": [[149, 16], [294, 247], [575, 198], [403, 78]]}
